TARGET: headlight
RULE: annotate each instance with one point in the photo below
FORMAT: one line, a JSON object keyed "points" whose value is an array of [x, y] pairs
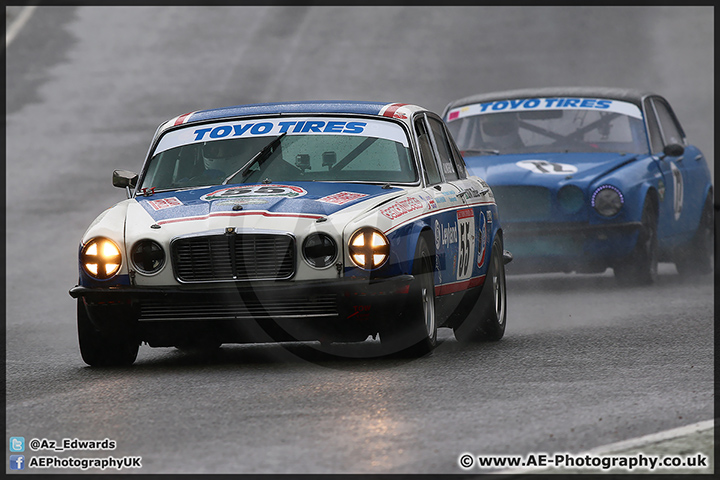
{"points": [[147, 256], [607, 200], [101, 258], [570, 198], [319, 250], [369, 248]]}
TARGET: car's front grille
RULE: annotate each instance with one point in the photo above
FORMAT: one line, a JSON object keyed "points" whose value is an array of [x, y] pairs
{"points": [[519, 203], [239, 257], [235, 306]]}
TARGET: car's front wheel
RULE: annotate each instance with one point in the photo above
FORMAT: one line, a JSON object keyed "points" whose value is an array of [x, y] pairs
{"points": [[415, 332], [99, 349], [640, 268], [493, 300]]}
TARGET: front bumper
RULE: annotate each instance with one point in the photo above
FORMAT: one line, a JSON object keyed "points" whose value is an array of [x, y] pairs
{"points": [[343, 308], [545, 246]]}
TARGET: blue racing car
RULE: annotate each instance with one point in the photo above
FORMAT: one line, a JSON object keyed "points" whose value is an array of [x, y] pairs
{"points": [[590, 178]]}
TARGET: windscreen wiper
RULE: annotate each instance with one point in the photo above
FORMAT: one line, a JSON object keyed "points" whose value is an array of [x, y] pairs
{"points": [[259, 157]]}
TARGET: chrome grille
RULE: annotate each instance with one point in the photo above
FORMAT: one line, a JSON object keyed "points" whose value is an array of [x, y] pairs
{"points": [[518, 203], [232, 256]]}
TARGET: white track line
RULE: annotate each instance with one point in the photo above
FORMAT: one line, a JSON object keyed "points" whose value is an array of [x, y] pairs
{"points": [[654, 437], [19, 22], [630, 443]]}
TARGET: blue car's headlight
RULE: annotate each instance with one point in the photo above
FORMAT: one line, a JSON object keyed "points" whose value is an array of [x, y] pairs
{"points": [[570, 198], [607, 200]]}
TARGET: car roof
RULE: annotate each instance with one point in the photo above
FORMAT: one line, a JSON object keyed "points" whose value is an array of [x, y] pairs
{"points": [[626, 94], [381, 109]]}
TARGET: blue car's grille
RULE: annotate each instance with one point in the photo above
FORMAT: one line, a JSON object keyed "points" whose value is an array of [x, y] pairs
{"points": [[234, 257], [522, 203]]}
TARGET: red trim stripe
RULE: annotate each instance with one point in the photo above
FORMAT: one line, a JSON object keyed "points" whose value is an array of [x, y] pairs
{"points": [[182, 118], [390, 111], [459, 286], [239, 214]]}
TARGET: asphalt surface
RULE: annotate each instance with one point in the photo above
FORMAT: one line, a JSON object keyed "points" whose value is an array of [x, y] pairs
{"points": [[584, 363]]}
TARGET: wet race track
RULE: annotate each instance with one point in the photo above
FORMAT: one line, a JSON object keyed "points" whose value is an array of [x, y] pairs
{"points": [[584, 362]]}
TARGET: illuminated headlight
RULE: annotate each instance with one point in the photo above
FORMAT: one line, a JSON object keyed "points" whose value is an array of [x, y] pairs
{"points": [[570, 198], [369, 248], [147, 256], [607, 200], [319, 250], [101, 258]]}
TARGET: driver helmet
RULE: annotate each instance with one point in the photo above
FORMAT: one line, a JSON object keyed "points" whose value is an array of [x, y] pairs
{"points": [[221, 155], [501, 129]]}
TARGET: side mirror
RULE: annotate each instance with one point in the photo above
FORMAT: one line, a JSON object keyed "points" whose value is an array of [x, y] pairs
{"points": [[124, 179], [673, 150]]}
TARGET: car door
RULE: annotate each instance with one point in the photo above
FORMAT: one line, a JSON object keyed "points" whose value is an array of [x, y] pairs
{"points": [[683, 191]]}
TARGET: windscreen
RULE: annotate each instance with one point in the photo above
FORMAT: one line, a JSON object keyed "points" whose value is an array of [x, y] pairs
{"points": [[539, 125], [282, 149]]}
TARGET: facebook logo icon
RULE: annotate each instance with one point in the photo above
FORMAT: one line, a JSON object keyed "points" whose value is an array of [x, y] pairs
{"points": [[17, 462]]}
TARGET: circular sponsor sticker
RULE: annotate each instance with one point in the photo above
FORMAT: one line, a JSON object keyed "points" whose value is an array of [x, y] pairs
{"points": [[543, 166], [251, 191]]}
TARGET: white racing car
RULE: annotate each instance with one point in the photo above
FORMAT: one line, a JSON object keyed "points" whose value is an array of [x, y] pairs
{"points": [[329, 221]]}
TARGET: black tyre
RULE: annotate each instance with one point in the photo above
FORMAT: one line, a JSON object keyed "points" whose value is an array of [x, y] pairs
{"points": [[697, 257], [490, 325], [414, 333], [102, 350], [640, 268]]}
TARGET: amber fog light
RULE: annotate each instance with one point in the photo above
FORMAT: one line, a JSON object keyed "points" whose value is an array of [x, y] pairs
{"points": [[368, 248], [101, 258]]}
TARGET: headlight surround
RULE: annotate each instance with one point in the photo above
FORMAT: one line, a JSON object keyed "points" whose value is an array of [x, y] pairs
{"points": [[147, 256], [369, 248], [570, 198], [101, 258], [607, 200], [319, 250]]}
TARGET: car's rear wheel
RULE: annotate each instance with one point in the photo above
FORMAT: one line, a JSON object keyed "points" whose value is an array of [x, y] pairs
{"points": [[491, 325], [697, 257], [640, 268], [99, 349], [415, 331]]}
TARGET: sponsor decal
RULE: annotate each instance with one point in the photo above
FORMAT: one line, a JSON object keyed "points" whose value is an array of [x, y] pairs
{"points": [[563, 103], [242, 201], [250, 191], [482, 244], [438, 235], [402, 207], [341, 198], [542, 166], [432, 205], [445, 235], [276, 126], [678, 190], [164, 203]]}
